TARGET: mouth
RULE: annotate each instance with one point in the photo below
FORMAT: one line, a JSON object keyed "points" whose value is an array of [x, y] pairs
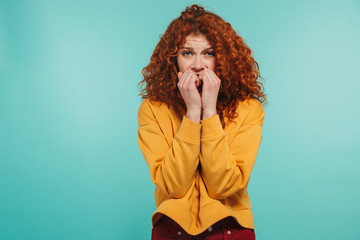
{"points": [[199, 87]]}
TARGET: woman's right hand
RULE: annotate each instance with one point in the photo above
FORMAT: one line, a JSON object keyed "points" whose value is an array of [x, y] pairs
{"points": [[187, 86]]}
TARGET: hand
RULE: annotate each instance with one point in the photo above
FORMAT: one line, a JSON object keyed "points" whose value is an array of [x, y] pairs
{"points": [[210, 91], [187, 84]]}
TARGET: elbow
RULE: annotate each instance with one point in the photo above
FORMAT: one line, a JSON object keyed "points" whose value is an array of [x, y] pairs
{"points": [[218, 194], [171, 185], [226, 185], [175, 189], [177, 193], [221, 192], [171, 191]]}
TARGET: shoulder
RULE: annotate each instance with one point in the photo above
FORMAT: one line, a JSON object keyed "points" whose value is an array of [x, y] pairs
{"points": [[149, 105], [149, 109], [251, 110], [250, 105]]}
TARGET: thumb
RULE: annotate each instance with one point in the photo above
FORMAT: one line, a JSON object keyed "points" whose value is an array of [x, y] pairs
{"points": [[180, 74]]}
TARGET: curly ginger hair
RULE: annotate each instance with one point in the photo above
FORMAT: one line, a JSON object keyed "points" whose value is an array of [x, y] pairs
{"points": [[237, 69]]}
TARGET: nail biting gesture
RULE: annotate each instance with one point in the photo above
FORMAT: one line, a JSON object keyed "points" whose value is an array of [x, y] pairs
{"points": [[210, 91], [188, 81], [195, 101]]}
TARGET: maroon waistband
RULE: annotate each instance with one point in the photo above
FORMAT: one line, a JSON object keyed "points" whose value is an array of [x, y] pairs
{"points": [[228, 222]]}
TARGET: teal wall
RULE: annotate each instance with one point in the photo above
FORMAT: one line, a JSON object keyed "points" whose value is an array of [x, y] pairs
{"points": [[70, 166]]}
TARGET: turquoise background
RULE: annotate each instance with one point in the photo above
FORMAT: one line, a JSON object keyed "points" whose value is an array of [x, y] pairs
{"points": [[70, 166]]}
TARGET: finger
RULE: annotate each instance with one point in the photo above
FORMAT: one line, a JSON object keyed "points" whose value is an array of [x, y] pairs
{"points": [[212, 76], [180, 74], [206, 81], [201, 75], [182, 79], [186, 83], [209, 82], [193, 80], [207, 74]]}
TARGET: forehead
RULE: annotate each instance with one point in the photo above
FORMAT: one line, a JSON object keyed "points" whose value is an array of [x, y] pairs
{"points": [[196, 40]]}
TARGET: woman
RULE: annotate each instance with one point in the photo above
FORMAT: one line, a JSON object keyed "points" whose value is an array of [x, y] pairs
{"points": [[200, 128]]}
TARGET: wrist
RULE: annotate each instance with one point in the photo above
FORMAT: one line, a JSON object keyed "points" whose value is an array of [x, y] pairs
{"points": [[194, 115], [208, 113]]}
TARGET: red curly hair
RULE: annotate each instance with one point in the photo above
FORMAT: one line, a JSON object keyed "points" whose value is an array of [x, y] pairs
{"points": [[237, 69]]}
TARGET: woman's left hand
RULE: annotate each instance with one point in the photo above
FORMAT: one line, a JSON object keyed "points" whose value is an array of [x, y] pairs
{"points": [[210, 91]]}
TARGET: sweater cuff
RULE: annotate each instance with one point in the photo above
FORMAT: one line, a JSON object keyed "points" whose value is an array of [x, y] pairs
{"points": [[189, 130], [211, 127]]}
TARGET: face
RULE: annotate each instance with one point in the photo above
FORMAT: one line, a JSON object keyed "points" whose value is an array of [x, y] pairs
{"points": [[196, 54]]}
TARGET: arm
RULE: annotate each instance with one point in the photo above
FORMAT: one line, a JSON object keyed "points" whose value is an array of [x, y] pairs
{"points": [[172, 168], [226, 169]]}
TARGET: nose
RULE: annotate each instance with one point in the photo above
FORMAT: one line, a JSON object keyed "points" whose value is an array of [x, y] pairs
{"points": [[198, 64]]}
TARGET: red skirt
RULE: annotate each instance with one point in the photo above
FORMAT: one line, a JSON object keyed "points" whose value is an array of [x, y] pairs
{"points": [[226, 228]]}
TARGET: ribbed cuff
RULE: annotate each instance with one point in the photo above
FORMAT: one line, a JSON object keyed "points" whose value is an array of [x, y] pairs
{"points": [[211, 127], [189, 130]]}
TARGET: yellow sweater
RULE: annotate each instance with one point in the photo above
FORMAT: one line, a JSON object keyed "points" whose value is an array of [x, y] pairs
{"points": [[201, 171]]}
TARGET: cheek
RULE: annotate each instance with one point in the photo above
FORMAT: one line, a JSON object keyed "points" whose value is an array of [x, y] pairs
{"points": [[212, 64], [183, 64]]}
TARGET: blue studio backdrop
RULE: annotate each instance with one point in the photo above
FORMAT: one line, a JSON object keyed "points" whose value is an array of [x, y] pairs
{"points": [[70, 165]]}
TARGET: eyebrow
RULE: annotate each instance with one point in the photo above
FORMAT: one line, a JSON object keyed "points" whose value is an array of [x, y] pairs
{"points": [[190, 48]]}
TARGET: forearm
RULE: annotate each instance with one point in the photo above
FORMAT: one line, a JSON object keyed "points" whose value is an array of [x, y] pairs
{"points": [[226, 169], [219, 170], [172, 168]]}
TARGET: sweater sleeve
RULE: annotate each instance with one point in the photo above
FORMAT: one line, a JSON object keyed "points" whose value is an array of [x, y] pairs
{"points": [[172, 168], [226, 168]]}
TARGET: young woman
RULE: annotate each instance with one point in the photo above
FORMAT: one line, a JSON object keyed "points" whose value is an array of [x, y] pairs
{"points": [[200, 128]]}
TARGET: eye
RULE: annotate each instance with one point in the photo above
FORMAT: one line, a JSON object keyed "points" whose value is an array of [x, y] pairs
{"points": [[210, 53], [186, 53]]}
